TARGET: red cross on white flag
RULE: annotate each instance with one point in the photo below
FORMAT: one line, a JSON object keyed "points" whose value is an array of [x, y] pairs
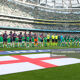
{"points": [[21, 63]]}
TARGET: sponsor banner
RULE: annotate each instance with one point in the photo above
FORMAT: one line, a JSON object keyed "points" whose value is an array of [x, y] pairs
{"points": [[24, 51], [72, 50]]}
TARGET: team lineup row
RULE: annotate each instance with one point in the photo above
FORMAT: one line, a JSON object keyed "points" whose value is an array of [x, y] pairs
{"points": [[30, 40]]}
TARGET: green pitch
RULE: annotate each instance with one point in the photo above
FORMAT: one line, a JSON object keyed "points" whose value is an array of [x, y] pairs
{"points": [[35, 48], [69, 72]]}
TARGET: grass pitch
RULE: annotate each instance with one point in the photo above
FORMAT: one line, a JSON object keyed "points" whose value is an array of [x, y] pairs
{"points": [[69, 72]]}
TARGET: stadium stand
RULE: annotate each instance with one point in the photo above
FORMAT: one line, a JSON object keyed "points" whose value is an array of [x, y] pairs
{"points": [[28, 16], [10, 8]]}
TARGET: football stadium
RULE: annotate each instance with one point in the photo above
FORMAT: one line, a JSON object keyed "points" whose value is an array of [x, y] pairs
{"points": [[39, 39]]}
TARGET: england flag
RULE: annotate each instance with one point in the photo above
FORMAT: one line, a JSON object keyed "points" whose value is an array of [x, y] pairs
{"points": [[21, 63]]}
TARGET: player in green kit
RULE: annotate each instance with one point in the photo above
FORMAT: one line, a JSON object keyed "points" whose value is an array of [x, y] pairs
{"points": [[62, 44], [8, 42], [1, 40], [39, 41], [45, 41], [27, 45], [71, 41], [16, 42], [66, 41], [76, 42], [23, 41], [79, 41], [32, 40]]}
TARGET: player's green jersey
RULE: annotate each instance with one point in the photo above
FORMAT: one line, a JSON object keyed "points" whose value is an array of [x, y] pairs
{"points": [[27, 39], [69, 40], [16, 40], [23, 39], [8, 40], [72, 39], [45, 39], [63, 40], [79, 39], [1, 39], [32, 39], [39, 39], [76, 40]]}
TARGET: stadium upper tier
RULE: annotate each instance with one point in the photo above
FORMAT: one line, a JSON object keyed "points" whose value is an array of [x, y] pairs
{"points": [[54, 3], [27, 10], [29, 16]]}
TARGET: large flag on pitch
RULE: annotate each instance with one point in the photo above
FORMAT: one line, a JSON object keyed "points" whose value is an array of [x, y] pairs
{"points": [[21, 63]]}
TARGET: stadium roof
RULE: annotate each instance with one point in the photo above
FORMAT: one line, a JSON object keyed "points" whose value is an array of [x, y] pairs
{"points": [[61, 3], [55, 3]]}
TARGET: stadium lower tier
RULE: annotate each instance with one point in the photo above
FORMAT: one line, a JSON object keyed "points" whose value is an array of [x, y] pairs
{"points": [[15, 24]]}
